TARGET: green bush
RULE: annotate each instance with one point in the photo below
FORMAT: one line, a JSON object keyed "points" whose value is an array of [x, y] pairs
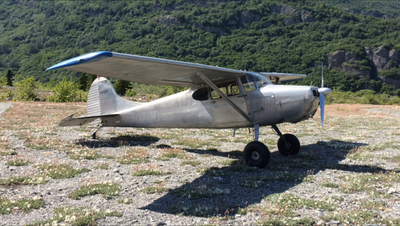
{"points": [[361, 97], [3, 81], [65, 91], [26, 89], [130, 93], [364, 92], [8, 94]]}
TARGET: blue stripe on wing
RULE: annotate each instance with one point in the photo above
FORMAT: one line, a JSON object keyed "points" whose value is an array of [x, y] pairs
{"points": [[87, 58]]}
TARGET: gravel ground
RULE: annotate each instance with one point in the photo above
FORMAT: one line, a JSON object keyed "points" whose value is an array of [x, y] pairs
{"points": [[4, 107], [203, 178]]}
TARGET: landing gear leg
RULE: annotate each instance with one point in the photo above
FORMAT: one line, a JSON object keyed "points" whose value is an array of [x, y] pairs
{"points": [[256, 153], [97, 130], [288, 144]]}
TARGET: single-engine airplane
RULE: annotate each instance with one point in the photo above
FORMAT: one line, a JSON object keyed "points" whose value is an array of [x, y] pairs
{"points": [[217, 98]]}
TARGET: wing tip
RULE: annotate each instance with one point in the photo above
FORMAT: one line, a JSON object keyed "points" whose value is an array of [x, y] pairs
{"points": [[90, 57]]}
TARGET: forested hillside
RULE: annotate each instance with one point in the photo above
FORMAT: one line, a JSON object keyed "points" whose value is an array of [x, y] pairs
{"points": [[358, 43]]}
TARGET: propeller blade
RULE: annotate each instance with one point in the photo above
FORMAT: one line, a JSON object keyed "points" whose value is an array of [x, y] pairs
{"points": [[322, 107]]}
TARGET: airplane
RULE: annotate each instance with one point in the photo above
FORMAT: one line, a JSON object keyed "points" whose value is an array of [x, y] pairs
{"points": [[218, 98]]}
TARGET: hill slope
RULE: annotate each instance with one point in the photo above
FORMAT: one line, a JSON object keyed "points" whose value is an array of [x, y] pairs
{"points": [[281, 36]]}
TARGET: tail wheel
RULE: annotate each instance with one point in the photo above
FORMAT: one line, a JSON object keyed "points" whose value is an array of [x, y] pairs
{"points": [[292, 147], [256, 154]]}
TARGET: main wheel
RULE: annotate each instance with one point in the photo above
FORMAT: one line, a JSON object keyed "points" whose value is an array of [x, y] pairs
{"points": [[256, 154], [293, 146]]}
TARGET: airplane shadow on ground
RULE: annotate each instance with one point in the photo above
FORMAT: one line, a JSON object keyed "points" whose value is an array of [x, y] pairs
{"points": [[124, 140], [227, 188]]}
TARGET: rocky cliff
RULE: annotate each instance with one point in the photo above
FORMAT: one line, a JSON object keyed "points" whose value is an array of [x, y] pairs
{"points": [[371, 64]]}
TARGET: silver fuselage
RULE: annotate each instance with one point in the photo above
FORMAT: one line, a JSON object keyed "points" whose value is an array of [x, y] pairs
{"points": [[267, 105]]}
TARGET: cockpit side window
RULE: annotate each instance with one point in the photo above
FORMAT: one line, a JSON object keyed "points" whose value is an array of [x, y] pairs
{"points": [[248, 83], [230, 89]]}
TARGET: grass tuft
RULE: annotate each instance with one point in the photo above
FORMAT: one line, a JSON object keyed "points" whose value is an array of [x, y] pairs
{"points": [[173, 153], [24, 180], [26, 205], [104, 166], [330, 185], [18, 161], [108, 189], [134, 156], [58, 171], [200, 192], [253, 182], [290, 201], [141, 173], [152, 190], [191, 163], [125, 201], [76, 216]]}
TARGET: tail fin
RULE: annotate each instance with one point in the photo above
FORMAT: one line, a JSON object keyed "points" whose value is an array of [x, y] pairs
{"points": [[104, 100]]}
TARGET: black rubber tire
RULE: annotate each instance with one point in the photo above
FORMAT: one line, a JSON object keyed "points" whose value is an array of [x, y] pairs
{"points": [[256, 154], [294, 145]]}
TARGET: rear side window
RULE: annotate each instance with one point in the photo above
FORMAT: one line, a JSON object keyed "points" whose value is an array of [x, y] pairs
{"points": [[201, 94]]}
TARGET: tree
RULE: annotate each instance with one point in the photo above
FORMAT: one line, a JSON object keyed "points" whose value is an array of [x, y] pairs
{"points": [[9, 77], [83, 82], [122, 86], [90, 81]]}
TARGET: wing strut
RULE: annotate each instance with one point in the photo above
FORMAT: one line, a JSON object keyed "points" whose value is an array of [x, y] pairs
{"points": [[212, 85]]}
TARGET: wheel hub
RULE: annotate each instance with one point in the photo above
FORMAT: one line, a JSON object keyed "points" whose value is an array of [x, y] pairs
{"points": [[288, 145], [255, 155]]}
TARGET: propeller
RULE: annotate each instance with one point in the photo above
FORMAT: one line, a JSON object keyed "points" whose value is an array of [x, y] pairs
{"points": [[322, 107], [323, 91]]}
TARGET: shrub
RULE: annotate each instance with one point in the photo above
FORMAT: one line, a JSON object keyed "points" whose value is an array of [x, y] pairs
{"points": [[26, 89], [65, 91], [361, 97], [130, 93], [3, 81]]}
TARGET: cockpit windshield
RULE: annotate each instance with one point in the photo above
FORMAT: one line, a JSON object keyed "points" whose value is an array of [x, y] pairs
{"points": [[259, 79], [253, 81]]}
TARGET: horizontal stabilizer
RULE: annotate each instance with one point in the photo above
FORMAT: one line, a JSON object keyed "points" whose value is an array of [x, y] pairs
{"points": [[70, 121]]}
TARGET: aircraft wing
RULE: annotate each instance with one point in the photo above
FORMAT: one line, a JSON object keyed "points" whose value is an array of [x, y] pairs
{"points": [[147, 70], [282, 77]]}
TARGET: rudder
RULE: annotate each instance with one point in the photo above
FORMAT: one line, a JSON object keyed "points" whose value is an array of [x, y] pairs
{"points": [[103, 99]]}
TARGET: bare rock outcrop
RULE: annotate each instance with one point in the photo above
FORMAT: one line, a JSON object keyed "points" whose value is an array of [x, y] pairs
{"points": [[297, 17], [382, 58], [283, 9], [167, 20], [307, 16], [347, 62], [394, 82]]}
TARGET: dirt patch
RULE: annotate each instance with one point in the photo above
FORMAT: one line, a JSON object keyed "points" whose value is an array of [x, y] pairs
{"points": [[362, 109]]}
